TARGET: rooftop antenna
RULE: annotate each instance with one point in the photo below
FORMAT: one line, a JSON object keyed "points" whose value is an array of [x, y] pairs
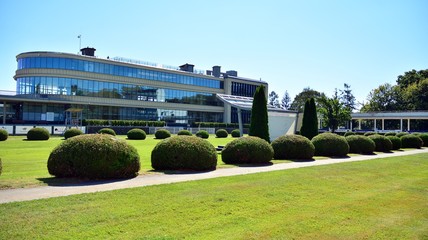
{"points": [[80, 42]]}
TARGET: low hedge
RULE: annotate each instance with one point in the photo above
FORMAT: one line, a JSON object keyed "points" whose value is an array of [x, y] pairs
{"points": [[293, 147], [349, 134], [184, 132], [390, 134], [383, 144], [236, 133], [360, 144], [411, 141], [396, 142], [72, 132], [184, 153], [162, 134], [369, 133], [38, 133], [136, 134], [330, 144], [247, 150], [221, 133], [107, 131], [202, 134], [424, 137], [3, 135], [94, 156], [400, 134]]}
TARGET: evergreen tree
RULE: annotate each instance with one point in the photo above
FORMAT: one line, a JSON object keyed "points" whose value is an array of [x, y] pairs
{"points": [[259, 116], [309, 127]]}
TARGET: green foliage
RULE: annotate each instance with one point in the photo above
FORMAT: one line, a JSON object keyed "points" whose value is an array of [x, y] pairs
{"points": [[218, 125], [396, 142], [107, 131], [330, 144], [349, 134], [221, 133], [400, 134], [369, 133], [247, 150], [1, 167], [424, 137], [360, 144], [38, 134], [162, 134], [309, 127], [184, 132], [411, 141], [202, 134], [3, 135], [300, 99], [184, 153], [293, 147], [390, 134], [94, 156], [136, 134], [72, 132], [383, 144], [236, 133], [334, 112], [137, 123], [259, 126]]}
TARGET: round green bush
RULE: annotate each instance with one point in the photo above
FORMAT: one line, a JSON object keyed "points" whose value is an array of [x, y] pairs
{"points": [[184, 153], [396, 142], [383, 144], [293, 147], [400, 134], [390, 134], [360, 144], [236, 133], [162, 134], [349, 134], [184, 133], [247, 150], [107, 131], [411, 141], [369, 133], [94, 156], [38, 134], [202, 134], [3, 135], [424, 137], [221, 133], [136, 134], [72, 132], [330, 144]]}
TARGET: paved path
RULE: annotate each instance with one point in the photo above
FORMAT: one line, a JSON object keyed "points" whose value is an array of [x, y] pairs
{"points": [[25, 194]]}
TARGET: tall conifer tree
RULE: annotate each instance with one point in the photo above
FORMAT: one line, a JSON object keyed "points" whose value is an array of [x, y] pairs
{"points": [[259, 116], [309, 127]]}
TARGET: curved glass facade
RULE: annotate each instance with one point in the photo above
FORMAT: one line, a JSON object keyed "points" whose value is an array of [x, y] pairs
{"points": [[91, 88], [117, 70]]}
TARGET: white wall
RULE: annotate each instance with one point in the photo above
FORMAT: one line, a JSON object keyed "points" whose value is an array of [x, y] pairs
{"points": [[281, 123]]}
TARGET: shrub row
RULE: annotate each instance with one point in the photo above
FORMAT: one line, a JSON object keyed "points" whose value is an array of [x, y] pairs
{"points": [[101, 122], [218, 125]]}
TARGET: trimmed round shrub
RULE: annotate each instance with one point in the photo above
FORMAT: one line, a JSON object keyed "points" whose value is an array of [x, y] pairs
{"points": [[184, 133], [390, 134], [72, 132], [221, 133], [400, 134], [136, 134], [247, 150], [107, 131], [94, 156], [369, 133], [202, 134], [236, 133], [411, 141], [293, 147], [162, 134], [349, 134], [424, 137], [38, 134], [360, 144], [184, 153], [330, 144], [396, 142], [3, 135], [383, 144]]}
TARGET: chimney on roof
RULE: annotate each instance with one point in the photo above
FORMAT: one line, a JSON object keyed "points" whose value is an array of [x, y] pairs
{"points": [[232, 73], [216, 71], [87, 51], [187, 67]]}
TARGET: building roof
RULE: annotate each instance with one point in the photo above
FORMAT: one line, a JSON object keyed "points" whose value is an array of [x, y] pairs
{"points": [[245, 103]]}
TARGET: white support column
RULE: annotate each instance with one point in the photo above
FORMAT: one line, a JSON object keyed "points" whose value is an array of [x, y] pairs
{"points": [[408, 125], [350, 125], [401, 125], [383, 124], [374, 128], [359, 124]]}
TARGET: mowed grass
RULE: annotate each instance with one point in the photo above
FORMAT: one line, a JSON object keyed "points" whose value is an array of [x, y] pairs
{"points": [[377, 199], [25, 162]]}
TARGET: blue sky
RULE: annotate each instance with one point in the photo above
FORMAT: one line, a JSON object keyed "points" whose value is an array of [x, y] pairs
{"points": [[289, 44]]}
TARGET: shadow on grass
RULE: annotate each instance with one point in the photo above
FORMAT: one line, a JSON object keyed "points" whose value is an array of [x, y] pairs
{"points": [[180, 171], [251, 164], [76, 182]]}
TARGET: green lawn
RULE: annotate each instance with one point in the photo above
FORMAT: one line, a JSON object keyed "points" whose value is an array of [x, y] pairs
{"points": [[377, 199]]}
